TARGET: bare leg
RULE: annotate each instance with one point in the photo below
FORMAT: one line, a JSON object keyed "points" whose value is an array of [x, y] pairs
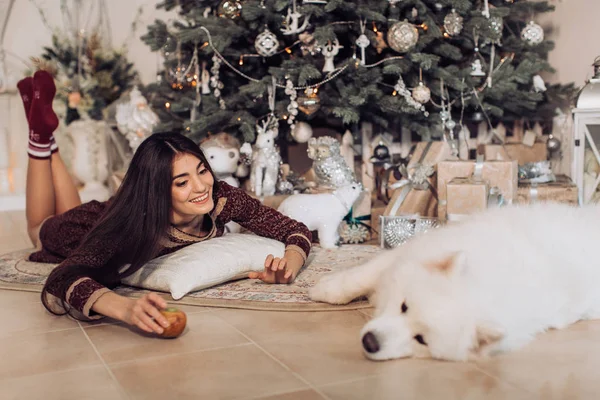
{"points": [[40, 200], [66, 195]]}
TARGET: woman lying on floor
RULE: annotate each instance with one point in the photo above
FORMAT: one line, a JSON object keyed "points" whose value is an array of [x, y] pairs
{"points": [[169, 199]]}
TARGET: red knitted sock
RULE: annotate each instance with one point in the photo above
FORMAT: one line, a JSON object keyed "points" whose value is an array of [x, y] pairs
{"points": [[42, 119], [25, 87]]}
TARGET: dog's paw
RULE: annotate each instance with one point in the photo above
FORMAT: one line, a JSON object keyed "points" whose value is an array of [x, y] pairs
{"points": [[330, 289]]}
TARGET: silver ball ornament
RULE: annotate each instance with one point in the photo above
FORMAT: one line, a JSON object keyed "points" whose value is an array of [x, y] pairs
{"points": [[532, 34], [553, 144], [266, 43], [402, 36]]}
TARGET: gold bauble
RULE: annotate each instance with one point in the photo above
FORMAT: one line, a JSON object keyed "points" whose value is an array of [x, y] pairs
{"points": [[309, 103], [231, 9]]}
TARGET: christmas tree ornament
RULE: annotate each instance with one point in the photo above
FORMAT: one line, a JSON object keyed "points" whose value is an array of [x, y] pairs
{"points": [[421, 93], [400, 88], [453, 23], [538, 84], [292, 108], [205, 79], [308, 44], [402, 36], [532, 34], [381, 154], [363, 42], [477, 68], [266, 43], [302, 132], [496, 25], [553, 144], [329, 52], [309, 103], [215, 81], [394, 2], [231, 9], [292, 21]]}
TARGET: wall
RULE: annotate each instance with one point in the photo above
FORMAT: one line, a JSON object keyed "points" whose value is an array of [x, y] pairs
{"points": [[573, 28]]}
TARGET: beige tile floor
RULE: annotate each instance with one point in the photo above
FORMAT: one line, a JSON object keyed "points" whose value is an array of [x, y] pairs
{"points": [[239, 354]]}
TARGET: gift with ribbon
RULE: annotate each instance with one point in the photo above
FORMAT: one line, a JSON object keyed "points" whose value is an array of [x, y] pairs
{"points": [[416, 193], [514, 151], [562, 190], [501, 178], [470, 195]]}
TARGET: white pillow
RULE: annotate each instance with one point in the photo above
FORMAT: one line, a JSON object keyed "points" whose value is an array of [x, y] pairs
{"points": [[205, 264]]}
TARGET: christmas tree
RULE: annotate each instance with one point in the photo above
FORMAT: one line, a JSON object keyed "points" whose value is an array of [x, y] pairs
{"points": [[424, 65]]}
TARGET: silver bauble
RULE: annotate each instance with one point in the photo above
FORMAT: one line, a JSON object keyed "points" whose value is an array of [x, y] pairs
{"points": [[421, 93], [453, 23], [266, 43], [532, 34], [553, 145], [402, 36]]}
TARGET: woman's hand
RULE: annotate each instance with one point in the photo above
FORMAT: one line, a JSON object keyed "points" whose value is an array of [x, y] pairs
{"points": [[280, 270], [144, 313]]}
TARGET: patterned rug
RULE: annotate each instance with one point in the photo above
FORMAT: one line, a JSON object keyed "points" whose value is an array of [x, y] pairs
{"points": [[16, 273]]}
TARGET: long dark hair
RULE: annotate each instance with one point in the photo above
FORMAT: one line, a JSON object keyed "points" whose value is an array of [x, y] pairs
{"points": [[136, 219]]}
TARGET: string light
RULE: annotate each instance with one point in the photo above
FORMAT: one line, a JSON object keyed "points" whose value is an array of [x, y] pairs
{"points": [[167, 105]]}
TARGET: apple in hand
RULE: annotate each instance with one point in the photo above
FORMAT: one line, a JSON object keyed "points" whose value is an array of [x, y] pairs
{"points": [[177, 320]]}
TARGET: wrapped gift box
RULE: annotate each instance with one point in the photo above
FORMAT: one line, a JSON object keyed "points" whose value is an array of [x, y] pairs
{"points": [[500, 174], [561, 191], [465, 196], [409, 200], [514, 151]]}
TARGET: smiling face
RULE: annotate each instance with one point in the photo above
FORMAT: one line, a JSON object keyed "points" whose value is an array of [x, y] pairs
{"points": [[191, 189]]}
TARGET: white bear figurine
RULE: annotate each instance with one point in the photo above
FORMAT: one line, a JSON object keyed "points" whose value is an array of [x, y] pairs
{"points": [[223, 154], [322, 212]]}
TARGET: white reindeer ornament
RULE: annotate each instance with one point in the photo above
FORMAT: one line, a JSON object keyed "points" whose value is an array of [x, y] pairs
{"points": [[266, 159]]}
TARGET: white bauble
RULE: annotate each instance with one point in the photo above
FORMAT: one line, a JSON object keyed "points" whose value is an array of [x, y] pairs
{"points": [[421, 93], [532, 34], [302, 132]]}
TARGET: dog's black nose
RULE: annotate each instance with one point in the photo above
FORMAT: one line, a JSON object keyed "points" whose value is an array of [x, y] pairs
{"points": [[370, 342]]}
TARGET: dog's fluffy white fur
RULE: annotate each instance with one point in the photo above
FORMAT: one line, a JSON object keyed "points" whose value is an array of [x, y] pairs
{"points": [[487, 284]]}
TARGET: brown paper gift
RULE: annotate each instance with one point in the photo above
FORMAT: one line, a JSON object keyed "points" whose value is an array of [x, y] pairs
{"points": [[466, 196], [360, 219], [406, 198], [500, 174], [561, 191], [514, 151]]}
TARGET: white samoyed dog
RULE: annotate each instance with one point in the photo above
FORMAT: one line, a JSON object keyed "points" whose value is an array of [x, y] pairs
{"points": [[485, 285]]}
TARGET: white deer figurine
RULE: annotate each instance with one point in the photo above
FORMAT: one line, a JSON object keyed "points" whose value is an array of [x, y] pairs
{"points": [[266, 160]]}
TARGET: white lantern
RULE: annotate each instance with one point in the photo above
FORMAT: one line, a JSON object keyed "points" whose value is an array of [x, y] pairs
{"points": [[586, 137]]}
